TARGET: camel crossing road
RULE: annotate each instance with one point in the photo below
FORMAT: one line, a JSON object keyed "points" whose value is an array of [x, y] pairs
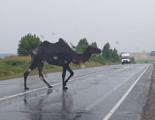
{"points": [[59, 54]]}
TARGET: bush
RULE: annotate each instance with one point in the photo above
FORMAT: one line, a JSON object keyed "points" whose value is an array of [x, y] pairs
{"points": [[27, 44], [98, 58]]}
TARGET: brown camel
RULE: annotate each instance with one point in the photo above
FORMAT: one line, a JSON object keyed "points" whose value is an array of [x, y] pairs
{"points": [[60, 54]]}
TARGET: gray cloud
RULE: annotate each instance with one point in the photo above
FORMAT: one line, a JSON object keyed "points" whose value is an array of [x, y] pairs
{"points": [[130, 23]]}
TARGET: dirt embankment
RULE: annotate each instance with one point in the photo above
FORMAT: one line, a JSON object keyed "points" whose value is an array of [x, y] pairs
{"points": [[149, 109]]}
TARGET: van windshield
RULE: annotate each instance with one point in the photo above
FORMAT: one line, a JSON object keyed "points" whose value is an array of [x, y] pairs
{"points": [[125, 57]]}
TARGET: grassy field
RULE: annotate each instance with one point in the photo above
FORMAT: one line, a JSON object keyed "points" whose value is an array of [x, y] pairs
{"points": [[15, 66], [143, 57], [145, 61]]}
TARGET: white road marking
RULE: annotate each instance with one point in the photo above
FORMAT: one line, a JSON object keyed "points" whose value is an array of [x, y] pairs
{"points": [[11, 96], [124, 96], [108, 93]]}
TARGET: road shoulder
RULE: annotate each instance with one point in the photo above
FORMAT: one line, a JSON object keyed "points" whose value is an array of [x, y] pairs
{"points": [[149, 108]]}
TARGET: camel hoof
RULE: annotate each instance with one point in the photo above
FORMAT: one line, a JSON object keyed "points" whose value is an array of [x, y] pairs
{"points": [[65, 88], [26, 88], [50, 86]]}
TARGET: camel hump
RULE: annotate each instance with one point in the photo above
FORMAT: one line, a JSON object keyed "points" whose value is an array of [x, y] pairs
{"points": [[61, 40], [45, 43], [59, 47]]}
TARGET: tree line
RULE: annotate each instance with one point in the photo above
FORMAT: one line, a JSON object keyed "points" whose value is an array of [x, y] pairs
{"points": [[107, 54], [30, 42]]}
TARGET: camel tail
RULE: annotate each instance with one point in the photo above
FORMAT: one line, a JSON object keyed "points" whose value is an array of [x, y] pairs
{"points": [[31, 58], [34, 52]]}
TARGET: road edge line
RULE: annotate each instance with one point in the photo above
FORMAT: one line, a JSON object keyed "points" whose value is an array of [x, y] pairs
{"points": [[123, 97]]}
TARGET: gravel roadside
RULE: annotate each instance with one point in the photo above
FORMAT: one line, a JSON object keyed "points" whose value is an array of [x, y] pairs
{"points": [[149, 109]]}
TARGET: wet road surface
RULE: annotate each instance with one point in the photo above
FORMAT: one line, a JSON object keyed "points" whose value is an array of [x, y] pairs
{"points": [[93, 94]]}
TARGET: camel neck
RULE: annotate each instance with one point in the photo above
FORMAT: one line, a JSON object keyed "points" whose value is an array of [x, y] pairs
{"points": [[78, 58], [85, 56]]}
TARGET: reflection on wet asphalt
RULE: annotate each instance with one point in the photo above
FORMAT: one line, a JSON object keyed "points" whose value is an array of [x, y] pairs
{"points": [[89, 97]]}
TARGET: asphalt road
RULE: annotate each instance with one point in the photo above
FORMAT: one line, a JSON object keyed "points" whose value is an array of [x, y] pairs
{"points": [[115, 92]]}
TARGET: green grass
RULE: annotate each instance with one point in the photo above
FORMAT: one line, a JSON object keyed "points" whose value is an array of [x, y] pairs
{"points": [[145, 61], [14, 67]]}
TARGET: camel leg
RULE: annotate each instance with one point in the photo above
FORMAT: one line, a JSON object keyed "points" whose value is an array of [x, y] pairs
{"points": [[25, 78], [26, 74], [40, 67], [71, 74], [63, 77]]}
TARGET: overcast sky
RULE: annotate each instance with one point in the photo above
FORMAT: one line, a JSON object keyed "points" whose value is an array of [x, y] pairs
{"points": [[128, 25]]}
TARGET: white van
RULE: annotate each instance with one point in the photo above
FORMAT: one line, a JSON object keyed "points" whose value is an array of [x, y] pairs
{"points": [[125, 58]]}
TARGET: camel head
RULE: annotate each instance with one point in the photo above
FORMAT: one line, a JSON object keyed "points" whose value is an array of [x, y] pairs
{"points": [[81, 58], [93, 50]]}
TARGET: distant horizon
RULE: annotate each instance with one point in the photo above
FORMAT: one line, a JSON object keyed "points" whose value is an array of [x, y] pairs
{"points": [[118, 52], [3, 55], [101, 49]]}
